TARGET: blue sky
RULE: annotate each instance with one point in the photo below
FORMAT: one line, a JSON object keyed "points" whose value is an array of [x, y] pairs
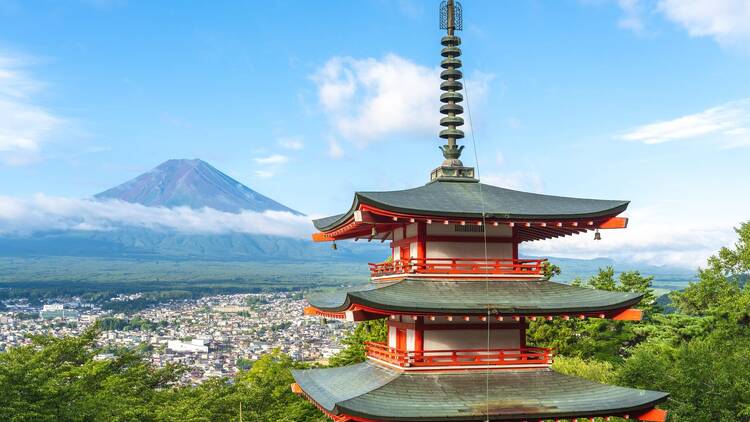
{"points": [[307, 102]]}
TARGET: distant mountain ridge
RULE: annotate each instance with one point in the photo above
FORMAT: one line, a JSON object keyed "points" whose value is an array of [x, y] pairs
{"points": [[194, 184]]}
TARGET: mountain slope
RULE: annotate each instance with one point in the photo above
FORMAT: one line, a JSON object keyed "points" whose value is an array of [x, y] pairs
{"points": [[191, 183], [144, 244]]}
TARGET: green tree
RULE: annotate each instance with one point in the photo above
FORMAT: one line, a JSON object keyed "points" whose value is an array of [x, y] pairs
{"points": [[721, 282], [59, 380], [354, 352], [708, 378], [603, 372], [600, 339]]}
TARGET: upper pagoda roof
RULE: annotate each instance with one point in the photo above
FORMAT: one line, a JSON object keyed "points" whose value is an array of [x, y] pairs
{"points": [[469, 199], [521, 298], [371, 391]]}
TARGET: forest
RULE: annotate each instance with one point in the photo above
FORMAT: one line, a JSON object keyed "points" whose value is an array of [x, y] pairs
{"points": [[696, 346]]}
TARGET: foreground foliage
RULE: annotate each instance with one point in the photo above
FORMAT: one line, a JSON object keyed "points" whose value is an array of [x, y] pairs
{"points": [[59, 380], [700, 354]]}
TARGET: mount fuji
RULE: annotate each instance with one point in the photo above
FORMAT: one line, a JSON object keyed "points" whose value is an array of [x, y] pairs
{"points": [[191, 183]]}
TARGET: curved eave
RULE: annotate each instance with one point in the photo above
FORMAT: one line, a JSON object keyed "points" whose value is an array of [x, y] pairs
{"points": [[503, 204], [511, 298], [370, 391]]}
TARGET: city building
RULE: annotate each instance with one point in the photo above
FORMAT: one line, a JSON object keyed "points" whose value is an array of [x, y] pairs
{"points": [[56, 310], [457, 297]]}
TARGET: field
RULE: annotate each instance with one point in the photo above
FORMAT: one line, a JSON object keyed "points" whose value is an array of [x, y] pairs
{"points": [[76, 275]]}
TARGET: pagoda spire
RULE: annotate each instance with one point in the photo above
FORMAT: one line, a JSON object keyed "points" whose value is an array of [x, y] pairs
{"points": [[452, 168]]}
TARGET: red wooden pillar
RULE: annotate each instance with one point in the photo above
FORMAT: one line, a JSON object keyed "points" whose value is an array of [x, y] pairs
{"points": [[514, 235], [419, 334], [421, 243]]}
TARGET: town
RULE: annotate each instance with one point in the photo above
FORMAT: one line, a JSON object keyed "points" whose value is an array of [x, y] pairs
{"points": [[214, 336]]}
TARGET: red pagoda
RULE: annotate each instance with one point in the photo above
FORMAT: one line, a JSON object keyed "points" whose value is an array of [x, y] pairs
{"points": [[457, 297]]}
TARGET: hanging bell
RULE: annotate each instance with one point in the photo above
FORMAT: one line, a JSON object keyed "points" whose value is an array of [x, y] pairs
{"points": [[597, 235], [373, 232], [333, 246]]}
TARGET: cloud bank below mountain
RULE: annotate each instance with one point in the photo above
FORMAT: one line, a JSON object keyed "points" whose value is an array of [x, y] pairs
{"points": [[23, 216]]}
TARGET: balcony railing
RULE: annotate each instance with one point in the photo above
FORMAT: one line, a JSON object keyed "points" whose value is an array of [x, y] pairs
{"points": [[535, 356], [507, 267]]}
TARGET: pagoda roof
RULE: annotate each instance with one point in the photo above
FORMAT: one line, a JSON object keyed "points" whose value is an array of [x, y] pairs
{"points": [[469, 199], [371, 391], [473, 297]]}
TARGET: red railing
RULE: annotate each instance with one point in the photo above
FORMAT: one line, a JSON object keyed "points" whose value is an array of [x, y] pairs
{"points": [[463, 357], [505, 266]]}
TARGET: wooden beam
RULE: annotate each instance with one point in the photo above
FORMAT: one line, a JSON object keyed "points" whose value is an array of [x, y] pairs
{"points": [[629, 315], [654, 415], [614, 223], [296, 389], [320, 237], [367, 217]]}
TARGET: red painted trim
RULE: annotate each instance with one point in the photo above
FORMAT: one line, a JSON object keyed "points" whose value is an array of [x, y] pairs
{"points": [[459, 357], [478, 326], [419, 334], [445, 266], [468, 239], [401, 339], [653, 415], [405, 241], [448, 238], [629, 315], [400, 324], [421, 240], [614, 223]]}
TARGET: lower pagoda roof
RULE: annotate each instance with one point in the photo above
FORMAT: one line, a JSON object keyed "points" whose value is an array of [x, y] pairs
{"points": [[472, 297], [373, 392]]}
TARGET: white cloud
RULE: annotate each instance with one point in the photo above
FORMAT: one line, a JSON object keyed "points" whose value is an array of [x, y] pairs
{"points": [[517, 180], [727, 21], [727, 125], [291, 143], [263, 174], [632, 15], [273, 160], [41, 212], [334, 149], [650, 238], [24, 126], [370, 99]]}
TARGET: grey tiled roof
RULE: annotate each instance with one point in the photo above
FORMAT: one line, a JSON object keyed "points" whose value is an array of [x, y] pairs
{"points": [[465, 200], [475, 296], [371, 391]]}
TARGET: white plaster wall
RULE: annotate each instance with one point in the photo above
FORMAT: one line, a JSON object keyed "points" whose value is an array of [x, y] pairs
{"points": [[471, 339], [413, 249], [469, 250], [392, 337], [411, 230], [410, 340], [398, 234], [396, 253]]}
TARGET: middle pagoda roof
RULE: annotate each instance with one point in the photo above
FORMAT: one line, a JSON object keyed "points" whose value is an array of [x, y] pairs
{"points": [[441, 297], [469, 199]]}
